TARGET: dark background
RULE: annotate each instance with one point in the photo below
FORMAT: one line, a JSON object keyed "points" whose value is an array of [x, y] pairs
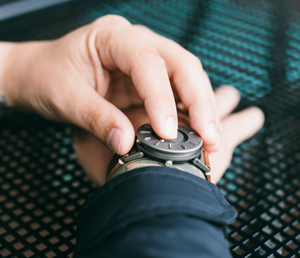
{"points": [[253, 45]]}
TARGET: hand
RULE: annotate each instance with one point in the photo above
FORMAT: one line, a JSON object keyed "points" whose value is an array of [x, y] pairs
{"points": [[95, 157], [87, 76]]}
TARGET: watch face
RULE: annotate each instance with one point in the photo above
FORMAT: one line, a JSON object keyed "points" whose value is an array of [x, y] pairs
{"points": [[186, 146]]}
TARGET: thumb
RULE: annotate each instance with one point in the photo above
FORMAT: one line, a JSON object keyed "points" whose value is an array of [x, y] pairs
{"points": [[86, 109]]}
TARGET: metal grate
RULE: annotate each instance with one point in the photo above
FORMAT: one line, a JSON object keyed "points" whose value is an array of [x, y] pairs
{"points": [[41, 188], [254, 45]]}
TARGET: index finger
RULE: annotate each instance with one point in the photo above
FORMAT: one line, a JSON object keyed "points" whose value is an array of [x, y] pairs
{"points": [[192, 85], [122, 47]]}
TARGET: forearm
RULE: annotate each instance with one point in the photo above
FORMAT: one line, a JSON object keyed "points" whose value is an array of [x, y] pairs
{"points": [[5, 53]]}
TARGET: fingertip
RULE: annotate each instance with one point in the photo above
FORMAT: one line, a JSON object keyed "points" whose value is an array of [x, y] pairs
{"points": [[210, 148], [230, 89], [127, 143], [242, 125], [214, 147], [120, 141], [165, 128], [212, 133], [257, 115], [115, 139], [170, 128], [209, 134], [257, 112], [204, 121]]}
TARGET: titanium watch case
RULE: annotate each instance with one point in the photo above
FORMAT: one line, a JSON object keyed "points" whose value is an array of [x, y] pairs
{"points": [[187, 147]]}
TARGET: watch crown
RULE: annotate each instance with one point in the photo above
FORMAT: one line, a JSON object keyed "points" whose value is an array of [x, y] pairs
{"points": [[169, 163]]}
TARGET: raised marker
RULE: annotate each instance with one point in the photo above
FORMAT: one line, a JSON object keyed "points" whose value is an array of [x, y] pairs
{"points": [[145, 132]]}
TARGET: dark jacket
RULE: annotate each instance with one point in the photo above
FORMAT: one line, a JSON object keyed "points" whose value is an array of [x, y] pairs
{"points": [[154, 212]]}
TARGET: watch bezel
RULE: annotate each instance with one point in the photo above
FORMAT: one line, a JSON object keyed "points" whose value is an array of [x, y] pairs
{"points": [[187, 147]]}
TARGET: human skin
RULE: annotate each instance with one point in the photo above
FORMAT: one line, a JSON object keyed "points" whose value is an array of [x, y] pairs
{"points": [[95, 157], [89, 76], [108, 78]]}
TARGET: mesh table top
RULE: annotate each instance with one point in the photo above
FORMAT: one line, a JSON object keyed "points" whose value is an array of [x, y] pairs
{"points": [[253, 45]]}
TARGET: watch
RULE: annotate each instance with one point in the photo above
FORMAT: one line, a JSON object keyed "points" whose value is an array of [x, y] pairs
{"points": [[185, 152]]}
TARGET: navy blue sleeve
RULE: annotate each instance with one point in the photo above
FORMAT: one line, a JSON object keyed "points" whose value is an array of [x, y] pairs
{"points": [[154, 212]]}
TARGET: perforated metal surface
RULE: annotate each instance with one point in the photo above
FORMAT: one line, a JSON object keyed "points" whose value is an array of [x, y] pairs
{"points": [[254, 45]]}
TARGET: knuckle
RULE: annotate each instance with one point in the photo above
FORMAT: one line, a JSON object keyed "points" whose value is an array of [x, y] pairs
{"points": [[194, 60], [113, 19], [112, 28], [148, 54], [141, 28]]}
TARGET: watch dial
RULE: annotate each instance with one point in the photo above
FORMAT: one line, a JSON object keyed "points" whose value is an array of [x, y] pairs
{"points": [[187, 143]]}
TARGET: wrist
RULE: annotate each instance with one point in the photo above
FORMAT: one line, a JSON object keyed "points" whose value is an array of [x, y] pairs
{"points": [[10, 67], [122, 168], [5, 56], [17, 72]]}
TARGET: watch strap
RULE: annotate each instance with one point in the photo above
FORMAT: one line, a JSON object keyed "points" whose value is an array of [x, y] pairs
{"points": [[122, 167]]}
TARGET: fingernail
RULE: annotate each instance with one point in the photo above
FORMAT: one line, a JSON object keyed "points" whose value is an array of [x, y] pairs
{"points": [[213, 131], [114, 140], [170, 128]]}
